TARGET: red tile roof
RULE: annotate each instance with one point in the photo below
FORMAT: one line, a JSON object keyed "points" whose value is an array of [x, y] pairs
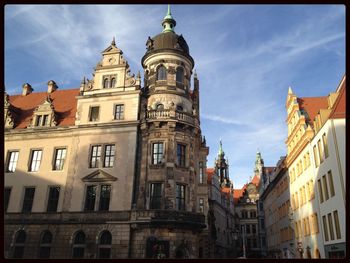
{"points": [[339, 107], [210, 173], [256, 180], [64, 102], [312, 106], [269, 169], [238, 193]]}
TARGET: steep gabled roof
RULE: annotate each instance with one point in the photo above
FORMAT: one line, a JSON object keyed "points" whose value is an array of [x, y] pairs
{"points": [[339, 107], [210, 173], [312, 105], [64, 102]]}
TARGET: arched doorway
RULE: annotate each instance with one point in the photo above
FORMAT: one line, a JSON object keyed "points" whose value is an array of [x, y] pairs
{"points": [[317, 253]]}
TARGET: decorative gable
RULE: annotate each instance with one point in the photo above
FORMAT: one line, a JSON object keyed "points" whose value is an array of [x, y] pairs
{"points": [[9, 120], [99, 176], [44, 115]]}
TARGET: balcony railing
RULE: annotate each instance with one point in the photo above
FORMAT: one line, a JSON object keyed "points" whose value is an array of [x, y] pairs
{"points": [[172, 114]]}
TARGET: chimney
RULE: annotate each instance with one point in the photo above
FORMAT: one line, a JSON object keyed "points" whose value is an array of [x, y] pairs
{"points": [[51, 86], [27, 89]]}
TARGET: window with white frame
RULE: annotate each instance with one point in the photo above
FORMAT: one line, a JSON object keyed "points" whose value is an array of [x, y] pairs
{"points": [[60, 157], [12, 160], [157, 152], [35, 160], [119, 112]]}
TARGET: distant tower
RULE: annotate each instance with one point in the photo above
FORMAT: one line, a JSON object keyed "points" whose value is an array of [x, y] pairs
{"points": [[221, 167], [259, 164]]}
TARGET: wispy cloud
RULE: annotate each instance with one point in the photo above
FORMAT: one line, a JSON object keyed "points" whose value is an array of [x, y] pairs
{"points": [[246, 57]]}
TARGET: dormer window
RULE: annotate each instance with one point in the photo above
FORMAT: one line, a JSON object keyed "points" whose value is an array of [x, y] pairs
{"points": [[160, 107], [180, 75], [44, 115], [161, 73], [179, 108]]}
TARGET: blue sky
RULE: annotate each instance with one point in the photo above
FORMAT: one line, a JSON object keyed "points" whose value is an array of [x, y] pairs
{"points": [[246, 57]]}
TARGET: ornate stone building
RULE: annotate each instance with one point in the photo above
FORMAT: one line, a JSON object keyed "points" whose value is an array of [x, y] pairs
{"points": [[111, 169], [220, 217], [250, 219]]}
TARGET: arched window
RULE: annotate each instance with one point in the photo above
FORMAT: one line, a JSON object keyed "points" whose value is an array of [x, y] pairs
{"points": [[161, 73], [160, 107], [112, 82], [79, 245], [105, 83], [180, 75], [18, 247], [104, 245], [45, 245]]}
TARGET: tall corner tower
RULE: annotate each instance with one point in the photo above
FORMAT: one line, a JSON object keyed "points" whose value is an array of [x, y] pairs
{"points": [[172, 151]]}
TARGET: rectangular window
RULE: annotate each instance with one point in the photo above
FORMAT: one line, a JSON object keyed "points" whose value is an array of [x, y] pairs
{"points": [[316, 156], [201, 172], [157, 153], [330, 222], [325, 145], [320, 150], [90, 198], [248, 229], [105, 196], [336, 222], [312, 192], [95, 156], [60, 157], [38, 120], [325, 228], [331, 184], [315, 223], [7, 194], [180, 197], [308, 194], [12, 161], [254, 229], [201, 205], [52, 203], [109, 155], [35, 160], [119, 112], [94, 113], [325, 187], [45, 120], [155, 196], [181, 155], [28, 199], [320, 190], [299, 229], [296, 229], [308, 225]]}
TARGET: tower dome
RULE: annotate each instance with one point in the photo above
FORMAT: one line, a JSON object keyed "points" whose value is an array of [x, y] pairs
{"points": [[168, 40]]}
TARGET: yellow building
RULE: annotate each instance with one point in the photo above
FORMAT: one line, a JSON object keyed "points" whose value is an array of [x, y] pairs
{"points": [[308, 146]]}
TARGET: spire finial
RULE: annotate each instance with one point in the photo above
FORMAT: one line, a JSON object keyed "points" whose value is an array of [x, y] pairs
{"points": [[290, 90], [169, 12], [221, 152], [113, 42], [195, 74], [168, 22]]}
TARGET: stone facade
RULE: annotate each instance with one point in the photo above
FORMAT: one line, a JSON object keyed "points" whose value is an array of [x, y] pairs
{"points": [[109, 170]]}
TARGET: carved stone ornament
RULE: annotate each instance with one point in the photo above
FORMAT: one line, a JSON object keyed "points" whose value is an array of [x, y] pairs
{"points": [[149, 44]]}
